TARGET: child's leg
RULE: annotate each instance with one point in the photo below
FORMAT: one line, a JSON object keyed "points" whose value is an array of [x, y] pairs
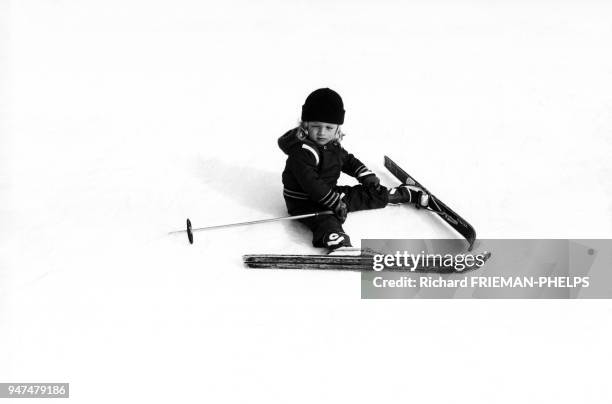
{"points": [[359, 197], [326, 230]]}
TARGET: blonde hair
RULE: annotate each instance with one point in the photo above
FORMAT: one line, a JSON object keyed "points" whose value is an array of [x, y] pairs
{"points": [[302, 131]]}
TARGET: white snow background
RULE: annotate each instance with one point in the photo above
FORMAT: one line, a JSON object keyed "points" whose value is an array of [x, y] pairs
{"points": [[122, 118]]}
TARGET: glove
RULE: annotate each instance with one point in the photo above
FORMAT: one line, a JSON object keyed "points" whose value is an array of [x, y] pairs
{"points": [[370, 181], [341, 211]]}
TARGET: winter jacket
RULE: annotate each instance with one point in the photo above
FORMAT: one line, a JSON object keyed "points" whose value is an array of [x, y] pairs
{"points": [[312, 171]]}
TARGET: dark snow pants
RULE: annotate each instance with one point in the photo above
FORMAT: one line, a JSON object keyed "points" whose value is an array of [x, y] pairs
{"points": [[356, 198]]}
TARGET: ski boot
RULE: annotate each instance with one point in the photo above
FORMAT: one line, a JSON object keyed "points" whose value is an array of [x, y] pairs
{"points": [[408, 194], [334, 241]]}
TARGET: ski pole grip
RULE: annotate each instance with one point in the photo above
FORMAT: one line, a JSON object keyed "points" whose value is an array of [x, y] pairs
{"points": [[189, 232]]}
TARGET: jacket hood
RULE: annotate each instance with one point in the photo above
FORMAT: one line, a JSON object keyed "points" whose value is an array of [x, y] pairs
{"points": [[289, 141]]}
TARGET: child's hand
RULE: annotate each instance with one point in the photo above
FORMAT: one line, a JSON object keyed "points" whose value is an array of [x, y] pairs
{"points": [[370, 181], [341, 211]]}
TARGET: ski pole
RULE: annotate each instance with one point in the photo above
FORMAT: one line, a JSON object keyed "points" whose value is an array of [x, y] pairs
{"points": [[191, 230]]}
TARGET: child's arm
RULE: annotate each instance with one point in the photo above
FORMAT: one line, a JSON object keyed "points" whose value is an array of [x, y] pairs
{"points": [[303, 164], [355, 168]]}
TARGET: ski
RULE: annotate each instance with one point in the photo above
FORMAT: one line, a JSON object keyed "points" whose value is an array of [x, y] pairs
{"points": [[345, 263], [435, 205]]}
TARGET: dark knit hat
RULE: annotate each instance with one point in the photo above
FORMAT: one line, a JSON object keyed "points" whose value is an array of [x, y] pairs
{"points": [[323, 105]]}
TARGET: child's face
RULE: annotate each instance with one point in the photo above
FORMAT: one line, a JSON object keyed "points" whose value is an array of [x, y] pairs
{"points": [[321, 132]]}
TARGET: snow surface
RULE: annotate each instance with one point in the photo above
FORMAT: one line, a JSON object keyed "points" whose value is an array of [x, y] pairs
{"points": [[122, 118]]}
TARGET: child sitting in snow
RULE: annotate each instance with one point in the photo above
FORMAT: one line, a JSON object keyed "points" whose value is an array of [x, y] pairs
{"points": [[315, 160]]}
